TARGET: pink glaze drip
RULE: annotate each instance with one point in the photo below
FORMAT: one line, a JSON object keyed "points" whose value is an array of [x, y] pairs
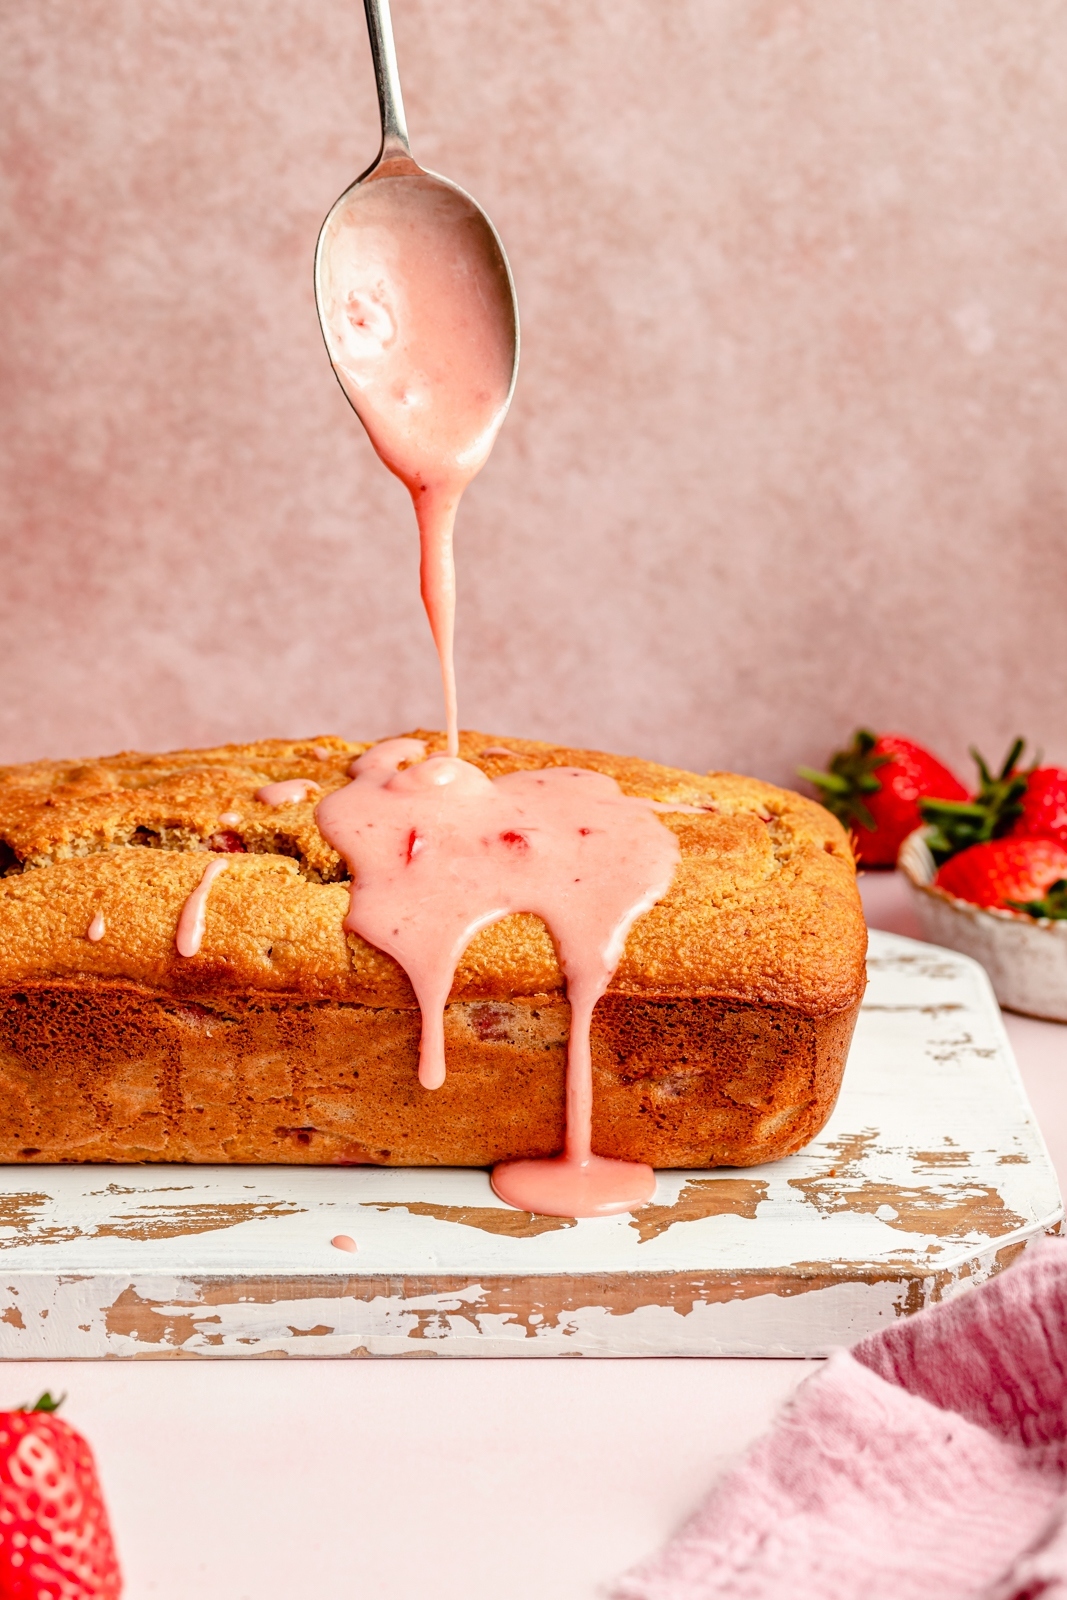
{"points": [[286, 792], [190, 931], [96, 929], [229, 819], [439, 851], [344, 1241], [497, 750], [418, 325]]}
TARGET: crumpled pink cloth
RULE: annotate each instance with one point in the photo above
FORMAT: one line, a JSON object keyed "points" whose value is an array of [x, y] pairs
{"points": [[928, 1461]]}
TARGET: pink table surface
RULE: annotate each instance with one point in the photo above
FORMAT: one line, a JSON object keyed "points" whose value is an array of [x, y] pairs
{"points": [[279, 1480]]}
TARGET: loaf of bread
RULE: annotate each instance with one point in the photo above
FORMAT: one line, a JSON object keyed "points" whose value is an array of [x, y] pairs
{"points": [[721, 1041]]}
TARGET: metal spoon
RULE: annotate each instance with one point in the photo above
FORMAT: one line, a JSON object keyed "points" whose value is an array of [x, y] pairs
{"points": [[486, 259]]}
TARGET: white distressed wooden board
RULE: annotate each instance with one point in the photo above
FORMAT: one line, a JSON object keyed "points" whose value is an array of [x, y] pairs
{"points": [[930, 1176]]}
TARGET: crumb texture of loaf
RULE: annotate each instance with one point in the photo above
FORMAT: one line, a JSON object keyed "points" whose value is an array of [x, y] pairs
{"points": [[721, 1040]]}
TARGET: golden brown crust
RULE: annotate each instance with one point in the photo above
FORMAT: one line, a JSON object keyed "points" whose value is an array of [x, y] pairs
{"points": [[764, 906], [94, 1071], [722, 1038]]}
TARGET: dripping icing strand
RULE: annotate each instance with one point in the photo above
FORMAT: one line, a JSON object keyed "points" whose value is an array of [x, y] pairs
{"points": [[421, 335], [438, 851], [96, 929], [190, 931]]}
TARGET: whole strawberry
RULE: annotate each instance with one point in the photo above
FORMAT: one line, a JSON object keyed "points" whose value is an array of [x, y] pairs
{"points": [[55, 1541], [1044, 806], [874, 788], [1014, 874]]}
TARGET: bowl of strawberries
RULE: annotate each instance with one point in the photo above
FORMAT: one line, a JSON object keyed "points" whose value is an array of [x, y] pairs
{"points": [[987, 869]]}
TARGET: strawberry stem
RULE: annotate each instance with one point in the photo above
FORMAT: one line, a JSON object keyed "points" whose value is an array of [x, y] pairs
{"points": [[957, 824], [45, 1402], [851, 776]]}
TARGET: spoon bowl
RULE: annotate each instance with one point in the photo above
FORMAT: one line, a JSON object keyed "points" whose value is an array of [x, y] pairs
{"points": [[418, 311], [396, 223]]}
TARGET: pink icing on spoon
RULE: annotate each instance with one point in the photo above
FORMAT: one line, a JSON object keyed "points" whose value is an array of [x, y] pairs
{"points": [[190, 931], [96, 929], [417, 313], [286, 792], [438, 851]]}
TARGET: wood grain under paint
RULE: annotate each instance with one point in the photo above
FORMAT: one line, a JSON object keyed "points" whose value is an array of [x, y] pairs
{"points": [[175, 1222], [950, 1211], [22, 1212], [702, 1197], [944, 1209], [490, 1219], [18, 1211], [537, 1306]]}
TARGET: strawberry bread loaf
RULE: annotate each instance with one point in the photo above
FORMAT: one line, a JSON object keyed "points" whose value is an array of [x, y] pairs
{"points": [[277, 1037]]}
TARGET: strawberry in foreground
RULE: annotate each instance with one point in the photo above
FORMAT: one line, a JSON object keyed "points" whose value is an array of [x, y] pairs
{"points": [[55, 1540], [1012, 874], [875, 786]]}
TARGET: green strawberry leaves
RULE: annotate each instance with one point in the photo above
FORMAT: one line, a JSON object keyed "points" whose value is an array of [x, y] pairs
{"points": [[45, 1402], [957, 824], [850, 777]]}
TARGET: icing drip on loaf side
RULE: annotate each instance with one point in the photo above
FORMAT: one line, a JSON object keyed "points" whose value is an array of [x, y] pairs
{"points": [[438, 851]]}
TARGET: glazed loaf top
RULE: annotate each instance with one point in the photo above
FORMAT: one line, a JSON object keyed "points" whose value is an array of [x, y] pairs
{"points": [[764, 906]]}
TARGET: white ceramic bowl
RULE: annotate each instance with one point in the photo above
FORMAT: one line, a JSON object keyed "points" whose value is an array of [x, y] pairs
{"points": [[1026, 957]]}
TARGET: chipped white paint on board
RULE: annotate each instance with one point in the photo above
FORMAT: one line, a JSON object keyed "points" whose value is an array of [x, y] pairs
{"points": [[930, 1176]]}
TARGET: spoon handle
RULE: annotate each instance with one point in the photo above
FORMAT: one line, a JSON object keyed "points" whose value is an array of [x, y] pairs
{"points": [[387, 79]]}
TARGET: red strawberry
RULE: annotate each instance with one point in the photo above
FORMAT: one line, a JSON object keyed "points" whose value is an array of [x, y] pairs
{"points": [[1044, 813], [55, 1541], [1006, 872], [874, 788], [226, 842]]}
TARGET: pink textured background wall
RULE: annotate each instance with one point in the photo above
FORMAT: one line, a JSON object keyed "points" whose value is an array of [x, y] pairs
{"points": [[788, 446]]}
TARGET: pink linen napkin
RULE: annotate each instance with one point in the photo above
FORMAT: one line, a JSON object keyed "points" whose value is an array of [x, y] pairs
{"points": [[927, 1461]]}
